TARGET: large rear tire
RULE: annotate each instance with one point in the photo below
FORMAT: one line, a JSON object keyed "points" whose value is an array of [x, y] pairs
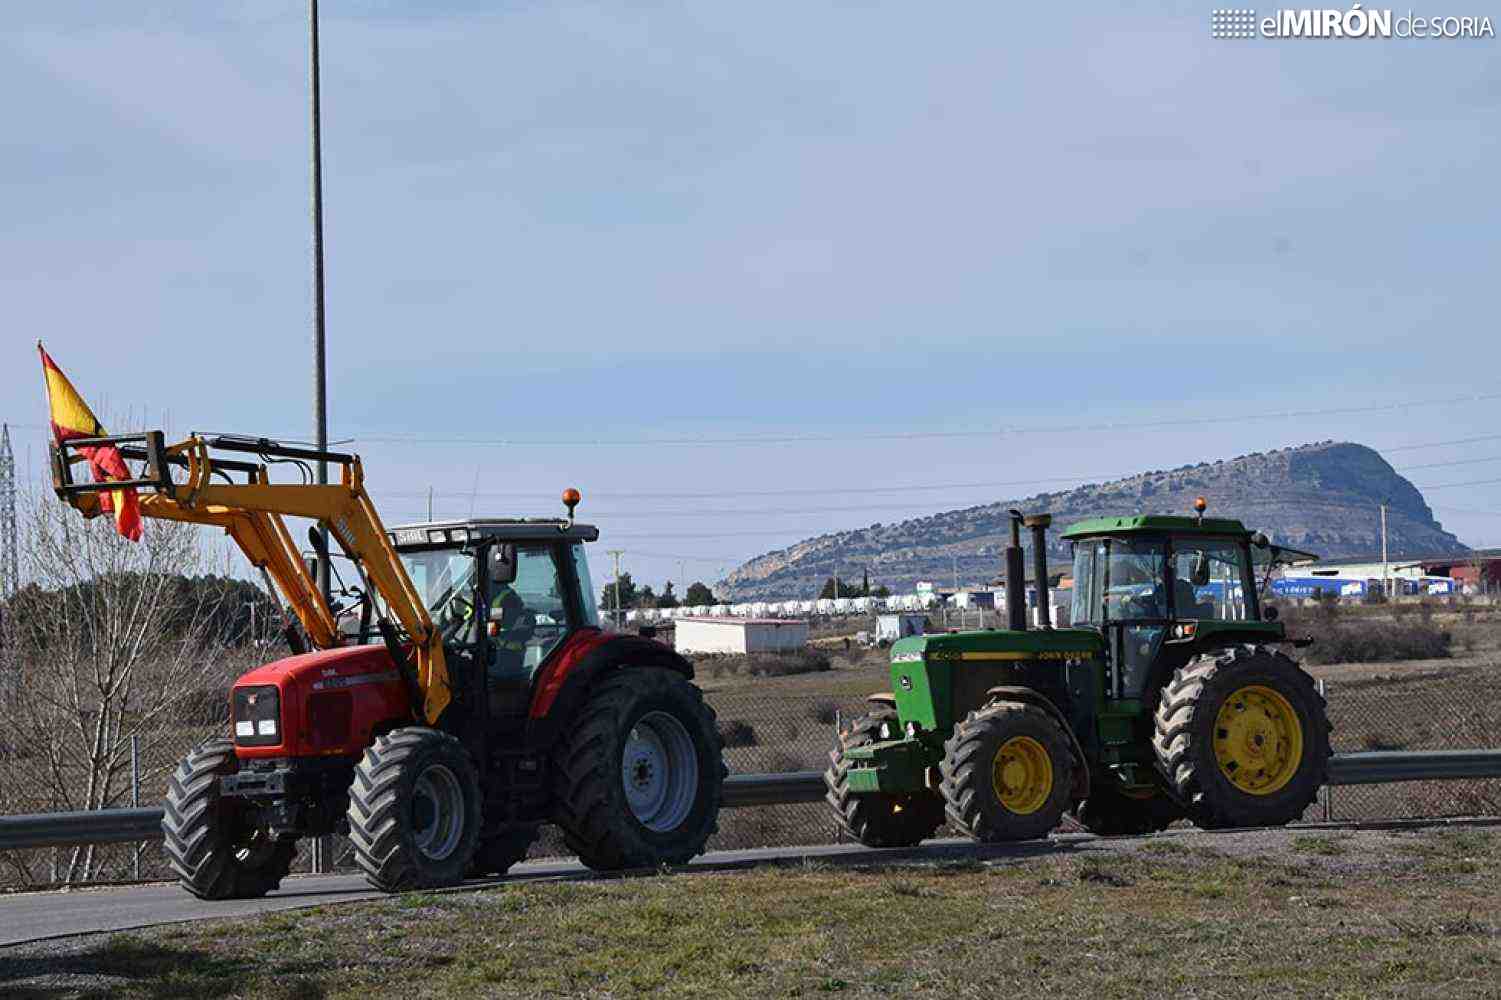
{"points": [[414, 811], [640, 775], [212, 843], [1242, 738], [874, 819], [1007, 771]]}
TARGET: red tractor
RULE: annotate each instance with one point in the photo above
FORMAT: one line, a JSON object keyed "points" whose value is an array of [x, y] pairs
{"points": [[464, 695]]}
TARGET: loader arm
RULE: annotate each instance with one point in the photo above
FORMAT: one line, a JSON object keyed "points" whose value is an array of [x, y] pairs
{"points": [[251, 513]]}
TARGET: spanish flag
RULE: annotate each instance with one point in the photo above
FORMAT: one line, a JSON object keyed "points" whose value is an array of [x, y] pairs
{"points": [[72, 418]]}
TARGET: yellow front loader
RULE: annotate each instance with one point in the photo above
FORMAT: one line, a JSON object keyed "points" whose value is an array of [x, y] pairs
{"points": [[238, 496]]}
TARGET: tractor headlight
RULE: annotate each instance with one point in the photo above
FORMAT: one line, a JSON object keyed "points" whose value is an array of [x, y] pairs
{"points": [[257, 715]]}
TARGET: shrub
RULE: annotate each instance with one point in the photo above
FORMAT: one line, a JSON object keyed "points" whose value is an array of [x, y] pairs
{"points": [[803, 661], [202, 706], [1376, 642], [738, 733]]}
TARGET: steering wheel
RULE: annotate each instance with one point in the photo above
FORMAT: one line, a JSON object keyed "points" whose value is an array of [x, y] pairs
{"points": [[1141, 605], [456, 615]]}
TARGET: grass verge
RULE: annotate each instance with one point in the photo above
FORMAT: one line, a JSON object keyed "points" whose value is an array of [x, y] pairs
{"points": [[1404, 915]]}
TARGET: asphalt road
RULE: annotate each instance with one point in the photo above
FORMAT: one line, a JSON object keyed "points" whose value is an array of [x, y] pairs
{"points": [[37, 916]]}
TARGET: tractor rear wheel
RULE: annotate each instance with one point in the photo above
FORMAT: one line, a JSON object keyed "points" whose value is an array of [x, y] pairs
{"points": [[212, 843], [1007, 771], [876, 819], [641, 772], [414, 810], [498, 853], [1242, 738], [1111, 811]]}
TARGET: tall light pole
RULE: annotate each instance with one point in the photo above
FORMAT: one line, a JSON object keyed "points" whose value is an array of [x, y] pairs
{"points": [[323, 847], [320, 382]]}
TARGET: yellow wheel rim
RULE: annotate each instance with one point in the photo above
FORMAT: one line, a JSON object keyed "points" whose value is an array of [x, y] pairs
{"points": [[1022, 775], [1258, 740]]}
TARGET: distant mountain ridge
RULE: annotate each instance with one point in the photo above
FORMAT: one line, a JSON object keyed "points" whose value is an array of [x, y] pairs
{"points": [[1322, 497]]}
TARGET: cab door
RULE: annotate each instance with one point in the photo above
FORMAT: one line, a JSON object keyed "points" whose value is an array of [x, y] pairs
{"points": [[529, 617]]}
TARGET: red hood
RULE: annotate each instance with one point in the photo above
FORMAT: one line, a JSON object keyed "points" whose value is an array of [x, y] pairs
{"points": [[339, 662], [363, 678]]}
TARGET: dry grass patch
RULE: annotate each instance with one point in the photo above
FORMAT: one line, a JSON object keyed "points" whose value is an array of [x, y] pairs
{"points": [[1151, 923]]}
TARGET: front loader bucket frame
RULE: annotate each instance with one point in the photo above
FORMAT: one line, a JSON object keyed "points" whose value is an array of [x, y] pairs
{"points": [[251, 512]]}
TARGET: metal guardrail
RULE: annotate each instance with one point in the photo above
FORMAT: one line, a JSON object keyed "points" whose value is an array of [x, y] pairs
{"points": [[1379, 767], [116, 826], [96, 826]]}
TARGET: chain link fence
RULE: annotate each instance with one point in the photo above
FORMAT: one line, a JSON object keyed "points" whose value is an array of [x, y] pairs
{"points": [[777, 722]]}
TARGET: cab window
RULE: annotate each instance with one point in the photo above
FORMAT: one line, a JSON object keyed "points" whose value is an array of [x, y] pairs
{"points": [[1133, 580], [1119, 579], [528, 616], [1209, 579]]}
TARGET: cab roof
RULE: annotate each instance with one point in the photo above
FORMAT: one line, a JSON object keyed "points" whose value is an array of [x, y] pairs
{"points": [[1155, 524], [517, 529]]}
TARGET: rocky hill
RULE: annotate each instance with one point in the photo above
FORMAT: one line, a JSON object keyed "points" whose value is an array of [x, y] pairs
{"points": [[1320, 497]]}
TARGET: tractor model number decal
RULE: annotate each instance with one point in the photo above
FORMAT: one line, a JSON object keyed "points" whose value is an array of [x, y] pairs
{"points": [[348, 682], [907, 658]]}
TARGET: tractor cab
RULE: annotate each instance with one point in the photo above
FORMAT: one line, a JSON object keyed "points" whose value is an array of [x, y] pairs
{"points": [[505, 594], [1159, 588]]}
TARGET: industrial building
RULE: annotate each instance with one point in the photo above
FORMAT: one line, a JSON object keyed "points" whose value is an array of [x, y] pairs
{"points": [[739, 635]]}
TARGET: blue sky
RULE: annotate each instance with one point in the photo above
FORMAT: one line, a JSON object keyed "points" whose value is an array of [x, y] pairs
{"points": [[582, 228]]}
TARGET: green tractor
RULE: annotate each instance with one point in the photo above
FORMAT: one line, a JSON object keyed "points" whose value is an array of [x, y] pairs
{"points": [[1167, 698]]}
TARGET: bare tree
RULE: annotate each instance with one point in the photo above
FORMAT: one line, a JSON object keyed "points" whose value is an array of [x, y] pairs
{"points": [[109, 641]]}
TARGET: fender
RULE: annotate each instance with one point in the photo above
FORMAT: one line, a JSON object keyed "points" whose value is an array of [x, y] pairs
{"points": [[1031, 696], [564, 683]]}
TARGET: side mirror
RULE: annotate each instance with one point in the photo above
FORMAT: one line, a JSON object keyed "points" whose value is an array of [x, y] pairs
{"points": [[1269, 613], [1200, 574], [502, 563], [1260, 541], [318, 542]]}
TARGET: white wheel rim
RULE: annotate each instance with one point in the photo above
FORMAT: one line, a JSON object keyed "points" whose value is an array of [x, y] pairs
{"points": [[438, 812], [659, 770]]}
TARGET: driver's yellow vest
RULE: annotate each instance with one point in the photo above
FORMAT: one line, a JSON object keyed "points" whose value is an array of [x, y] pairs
{"points": [[502, 641]]}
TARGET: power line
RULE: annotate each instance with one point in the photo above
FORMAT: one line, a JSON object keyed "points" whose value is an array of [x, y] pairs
{"points": [[1441, 444], [1174, 423], [1450, 486], [1441, 465]]}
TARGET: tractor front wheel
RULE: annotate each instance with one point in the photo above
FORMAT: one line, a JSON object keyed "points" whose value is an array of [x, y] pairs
{"points": [[1007, 771], [213, 845], [876, 819], [641, 773], [1242, 738], [414, 810]]}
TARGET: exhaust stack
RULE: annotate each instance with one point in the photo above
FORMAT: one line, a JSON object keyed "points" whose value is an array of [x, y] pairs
{"points": [[1039, 525], [1016, 593]]}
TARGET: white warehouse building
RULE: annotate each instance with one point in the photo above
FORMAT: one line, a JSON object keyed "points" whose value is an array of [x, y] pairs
{"points": [[739, 635]]}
